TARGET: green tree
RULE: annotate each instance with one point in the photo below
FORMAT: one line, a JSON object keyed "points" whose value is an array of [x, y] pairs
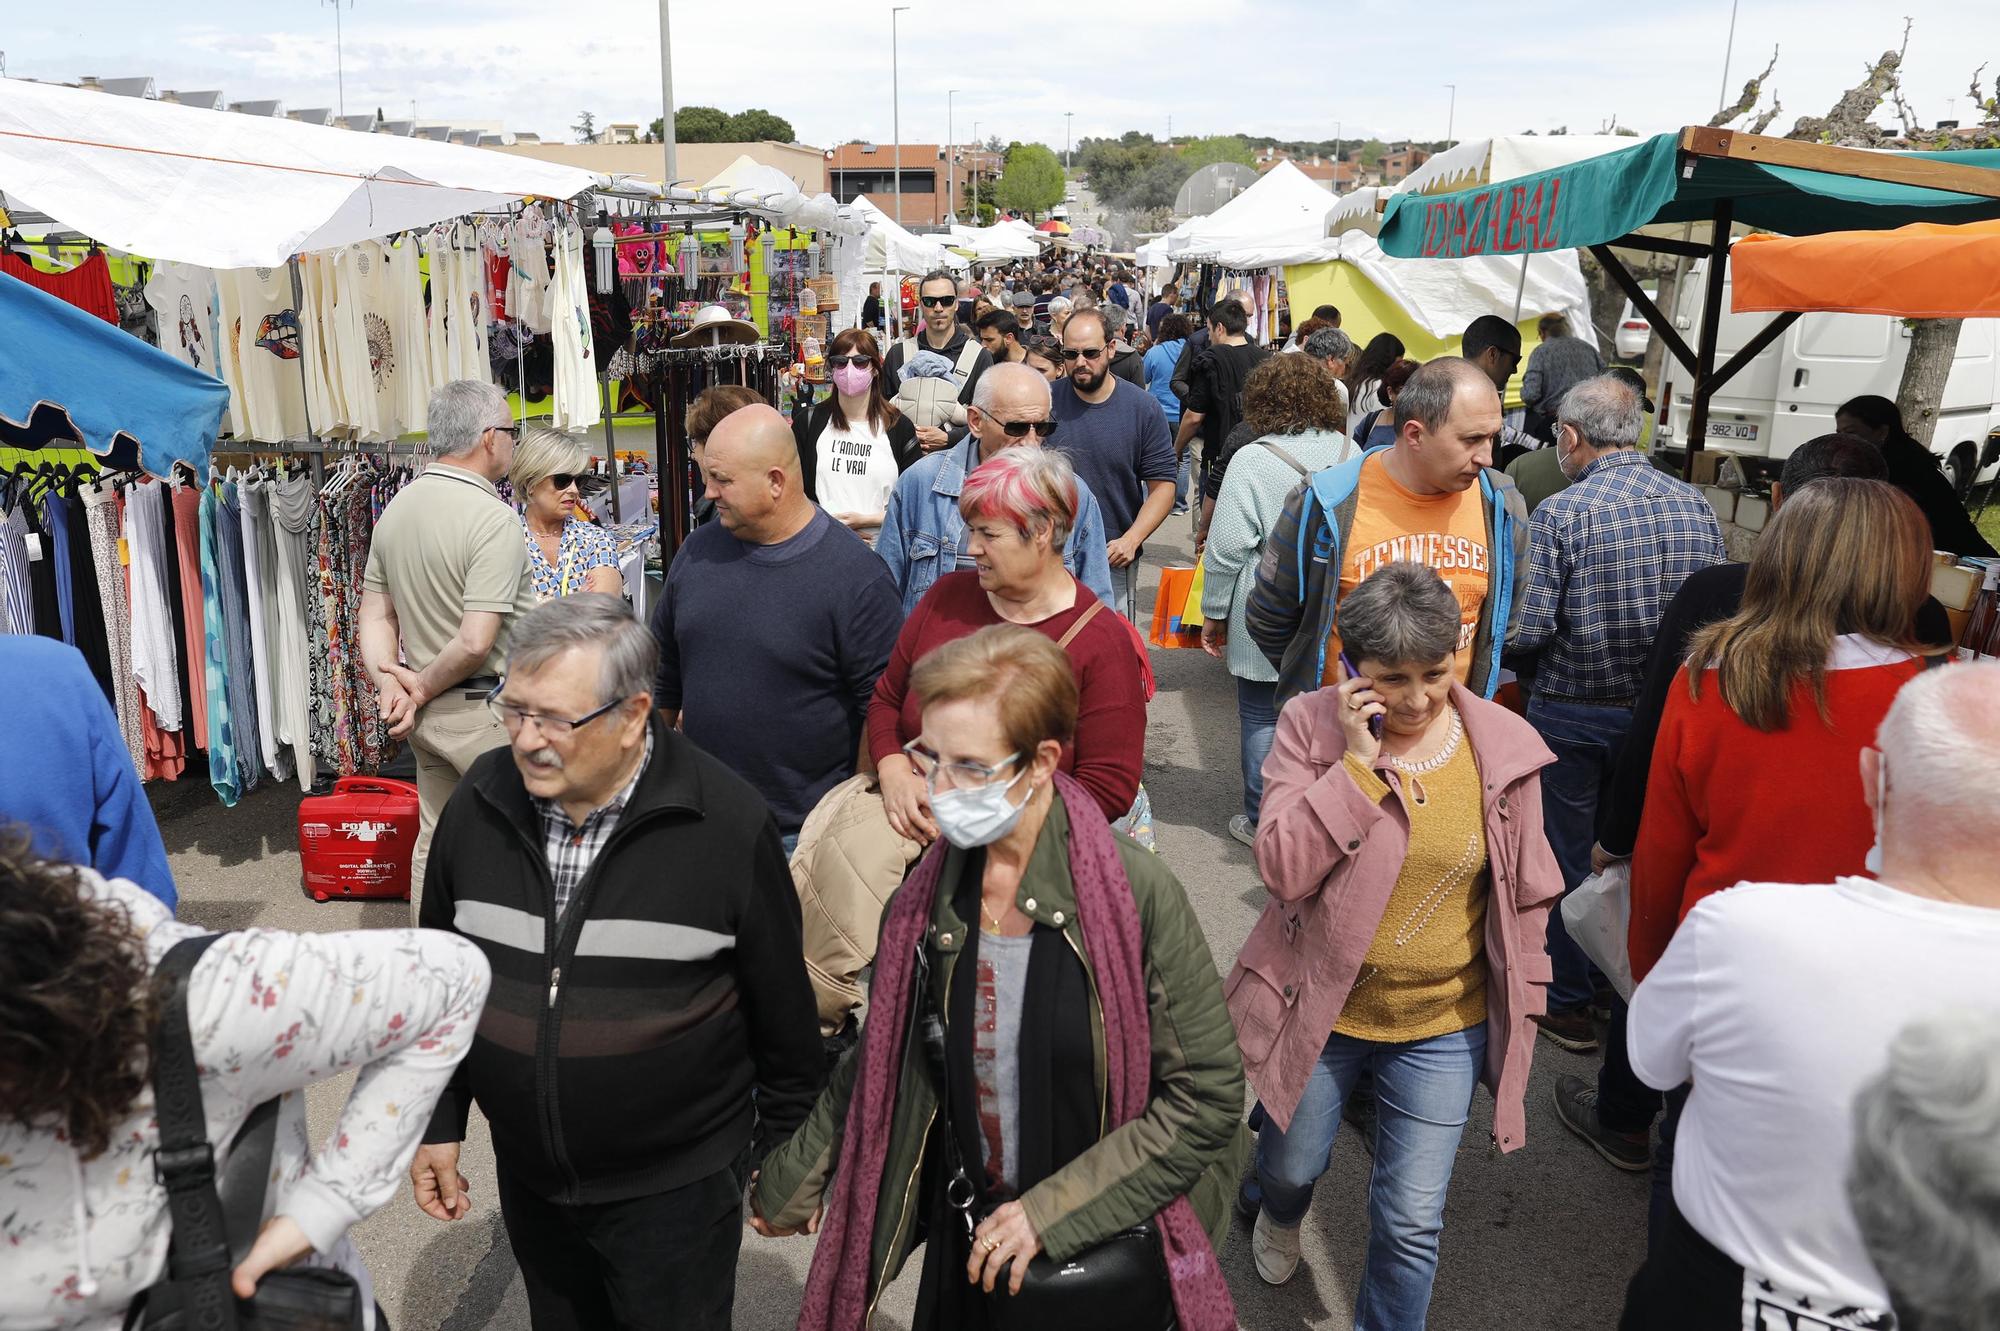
{"points": [[1033, 180], [1217, 148], [1372, 151], [756, 125], [585, 127], [701, 124]]}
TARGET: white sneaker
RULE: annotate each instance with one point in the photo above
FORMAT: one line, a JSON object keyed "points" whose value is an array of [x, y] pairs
{"points": [[1275, 1248], [1243, 830]]}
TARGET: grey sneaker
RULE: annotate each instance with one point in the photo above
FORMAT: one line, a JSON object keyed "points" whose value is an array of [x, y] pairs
{"points": [[1244, 830], [1275, 1249], [1576, 1106]]}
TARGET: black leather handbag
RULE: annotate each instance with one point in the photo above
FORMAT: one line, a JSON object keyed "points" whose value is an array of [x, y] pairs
{"points": [[211, 1234], [1120, 1282]]}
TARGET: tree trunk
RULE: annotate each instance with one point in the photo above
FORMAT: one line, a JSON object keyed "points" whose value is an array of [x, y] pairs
{"points": [[1933, 343]]}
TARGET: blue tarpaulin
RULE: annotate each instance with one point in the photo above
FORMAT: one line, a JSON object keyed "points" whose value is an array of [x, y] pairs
{"points": [[68, 377]]}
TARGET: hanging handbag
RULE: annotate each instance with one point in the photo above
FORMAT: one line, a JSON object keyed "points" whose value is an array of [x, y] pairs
{"points": [[210, 1235], [1120, 1282]]}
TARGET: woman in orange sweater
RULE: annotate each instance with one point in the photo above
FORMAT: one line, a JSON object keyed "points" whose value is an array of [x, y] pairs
{"points": [[1755, 774]]}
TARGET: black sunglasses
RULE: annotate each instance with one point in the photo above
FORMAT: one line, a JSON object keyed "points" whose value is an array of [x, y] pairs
{"points": [[1019, 429], [940, 302], [1082, 353], [857, 361], [563, 480]]}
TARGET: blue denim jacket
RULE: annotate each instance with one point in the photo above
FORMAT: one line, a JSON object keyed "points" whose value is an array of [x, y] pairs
{"points": [[923, 533]]}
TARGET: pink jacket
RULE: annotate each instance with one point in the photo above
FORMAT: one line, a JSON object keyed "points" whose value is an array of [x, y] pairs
{"points": [[1330, 857]]}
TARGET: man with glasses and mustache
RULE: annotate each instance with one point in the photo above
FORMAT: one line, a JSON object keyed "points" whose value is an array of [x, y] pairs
{"points": [[948, 336], [1117, 439], [653, 1013], [923, 534], [447, 570]]}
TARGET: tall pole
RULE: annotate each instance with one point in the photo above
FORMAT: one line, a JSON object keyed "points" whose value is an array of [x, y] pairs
{"points": [[1066, 120], [1451, 116], [896, 110], [340, 62], [950, 159], [1728, 50], [667, 100]]}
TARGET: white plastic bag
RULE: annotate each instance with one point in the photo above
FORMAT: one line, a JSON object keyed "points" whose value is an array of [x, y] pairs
{"points": [[1597, 915]]}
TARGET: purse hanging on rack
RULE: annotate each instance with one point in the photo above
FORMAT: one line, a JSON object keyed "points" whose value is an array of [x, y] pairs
{"points": [[1121, 1282], [213, 1230]]}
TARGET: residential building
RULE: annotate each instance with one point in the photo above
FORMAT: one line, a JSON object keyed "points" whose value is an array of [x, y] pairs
{"points": [[696, 163]]}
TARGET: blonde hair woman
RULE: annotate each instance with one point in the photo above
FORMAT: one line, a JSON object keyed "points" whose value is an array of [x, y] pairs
{"points": [[566, 555]]}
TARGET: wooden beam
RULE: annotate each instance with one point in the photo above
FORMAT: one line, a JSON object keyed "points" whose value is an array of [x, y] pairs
{"points": [[1855, 163], [1677, 347], [1661, 245], [1711, 320]]}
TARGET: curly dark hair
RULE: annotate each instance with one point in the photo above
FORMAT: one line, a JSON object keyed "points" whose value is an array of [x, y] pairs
{"points": [[1290, 395], [76, 1008]]}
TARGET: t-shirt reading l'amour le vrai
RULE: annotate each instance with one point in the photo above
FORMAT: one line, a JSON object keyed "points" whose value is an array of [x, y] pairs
{"points": [[1445, 532]]}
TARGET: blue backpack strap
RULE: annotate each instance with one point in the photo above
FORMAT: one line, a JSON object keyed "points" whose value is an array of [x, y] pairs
{"points": [[1331, 487], [1502, 568]]}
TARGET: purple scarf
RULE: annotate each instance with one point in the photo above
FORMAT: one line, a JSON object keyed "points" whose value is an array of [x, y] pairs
{"points": [[836, 1294]]}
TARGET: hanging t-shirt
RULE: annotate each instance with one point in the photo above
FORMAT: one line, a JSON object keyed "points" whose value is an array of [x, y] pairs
{"points": [[184, 298], [529, 277], [86, 286], [576, 398], [370, 359], [263, 323], [436, 245], [318, 346], [856, 469], [1445, 532], [409, 329]]}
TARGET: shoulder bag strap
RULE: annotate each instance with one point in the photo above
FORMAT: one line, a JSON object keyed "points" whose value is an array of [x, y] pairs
{"points": [[198, 1253], [1290, 461], [960, 1192], [247, 1176], [1066, 639], [968, 356]]}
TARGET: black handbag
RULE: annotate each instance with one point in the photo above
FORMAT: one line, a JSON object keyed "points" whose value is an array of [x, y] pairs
{"points": [[211, 1234], [1120, 1282]]}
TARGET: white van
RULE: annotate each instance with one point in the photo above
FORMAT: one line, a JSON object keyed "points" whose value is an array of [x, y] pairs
{"points": [[1789, 393]]}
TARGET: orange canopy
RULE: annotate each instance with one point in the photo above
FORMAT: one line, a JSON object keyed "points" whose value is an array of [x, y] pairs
{"points": [[1924, 271]]}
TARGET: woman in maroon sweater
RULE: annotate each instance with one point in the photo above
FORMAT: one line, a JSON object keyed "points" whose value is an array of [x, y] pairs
{"points": [[1019, 508]]}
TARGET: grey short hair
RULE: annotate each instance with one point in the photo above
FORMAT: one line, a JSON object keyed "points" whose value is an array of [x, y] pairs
{"points": [[1924, 1181], [543, 452], [460, 412], [1941, 742], [1605, 410], [1329, 344], [1429, 395], [1401, 614], [589, 619], [997, 377]]}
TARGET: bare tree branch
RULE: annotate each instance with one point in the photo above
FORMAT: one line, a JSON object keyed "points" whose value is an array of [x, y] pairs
{"points": [[1847, 123], [1764, 119], [1751, 92]]}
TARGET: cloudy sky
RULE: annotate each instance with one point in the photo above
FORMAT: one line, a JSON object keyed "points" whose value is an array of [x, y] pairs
{"points": [[1287, 68]]}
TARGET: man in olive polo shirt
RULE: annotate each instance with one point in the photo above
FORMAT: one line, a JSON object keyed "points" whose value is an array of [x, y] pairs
{"points": [[447, 572]]}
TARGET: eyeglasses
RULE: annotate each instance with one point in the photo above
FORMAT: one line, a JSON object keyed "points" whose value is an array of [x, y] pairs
{"points": [[957, 776], [1083, 353], [940, 302], [511, 431], [563, 480], [858, 362], [1019, 429], [553, 727]]}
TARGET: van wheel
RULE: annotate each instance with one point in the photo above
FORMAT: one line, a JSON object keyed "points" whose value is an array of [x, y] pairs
{"points": [[1964, 465]]}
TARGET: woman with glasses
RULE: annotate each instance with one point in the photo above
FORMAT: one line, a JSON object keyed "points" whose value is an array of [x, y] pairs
{"points": [[1044, 356], [1019, 509], [855, 443], [1028, 939], [566, 554]]}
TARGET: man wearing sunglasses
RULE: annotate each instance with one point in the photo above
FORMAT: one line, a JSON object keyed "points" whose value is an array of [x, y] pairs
{"points": [[944, 333], [923, 534], [1117, 438]]}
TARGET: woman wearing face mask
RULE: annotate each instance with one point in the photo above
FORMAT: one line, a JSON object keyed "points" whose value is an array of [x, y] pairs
{"points": [[566, 555], [854, 444], [1040, 937], [1401, 842], [1019, 509]]}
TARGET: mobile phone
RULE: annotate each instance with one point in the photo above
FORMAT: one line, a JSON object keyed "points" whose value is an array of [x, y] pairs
{"points": [[1375, 721]]}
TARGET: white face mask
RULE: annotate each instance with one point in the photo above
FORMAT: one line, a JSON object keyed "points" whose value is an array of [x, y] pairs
{"points": [[978, 817]]}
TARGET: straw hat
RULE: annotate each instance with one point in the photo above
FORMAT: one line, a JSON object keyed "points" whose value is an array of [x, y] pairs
{"points": [[713, 324]]}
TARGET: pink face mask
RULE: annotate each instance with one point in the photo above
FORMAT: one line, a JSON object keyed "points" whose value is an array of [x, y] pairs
{"points": [[853, 380]]}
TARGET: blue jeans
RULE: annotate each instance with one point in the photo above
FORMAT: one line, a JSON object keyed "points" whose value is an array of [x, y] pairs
{"points": [[1585, 738], [1182, 476], [1423, 1093], [1257, 710]]}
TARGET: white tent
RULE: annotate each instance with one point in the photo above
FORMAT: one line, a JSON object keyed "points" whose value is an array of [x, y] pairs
{"points": [[747, 182], [236, 191], [1282, 211], [1444, 295], [990, 244], [892, 249]]}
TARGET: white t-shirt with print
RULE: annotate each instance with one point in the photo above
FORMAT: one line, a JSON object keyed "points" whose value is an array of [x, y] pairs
{"points": [[856, 468], [1779, 1001]]}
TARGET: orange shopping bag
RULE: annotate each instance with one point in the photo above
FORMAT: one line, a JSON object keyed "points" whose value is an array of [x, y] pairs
{"points": [[1168, 628]]}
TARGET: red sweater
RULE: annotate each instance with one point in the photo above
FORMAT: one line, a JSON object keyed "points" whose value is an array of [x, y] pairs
{"points": [[1728, 804], [1111, 702]]}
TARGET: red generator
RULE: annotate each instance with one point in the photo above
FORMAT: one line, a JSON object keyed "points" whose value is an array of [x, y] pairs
{"points": [[357, 843]]}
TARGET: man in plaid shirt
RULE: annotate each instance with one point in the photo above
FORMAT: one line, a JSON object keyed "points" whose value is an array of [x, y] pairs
{"points": [[1604, 558]]}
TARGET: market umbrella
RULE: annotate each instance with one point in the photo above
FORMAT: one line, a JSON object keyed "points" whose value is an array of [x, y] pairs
{"points": [[68, 377], [1924, 271]]}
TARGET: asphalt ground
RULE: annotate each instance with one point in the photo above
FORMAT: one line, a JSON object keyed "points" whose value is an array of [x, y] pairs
{"points": [[1543, 1238]]}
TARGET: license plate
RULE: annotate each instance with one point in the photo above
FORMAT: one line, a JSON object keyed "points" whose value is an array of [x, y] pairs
{"points": [[1732, 430]]}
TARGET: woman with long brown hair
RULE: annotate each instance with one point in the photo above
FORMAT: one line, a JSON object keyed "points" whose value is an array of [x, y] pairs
{"points": [[1753, 776], [854, 444]]}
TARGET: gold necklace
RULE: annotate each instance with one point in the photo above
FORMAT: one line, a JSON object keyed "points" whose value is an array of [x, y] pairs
{"points": [[992, 922]]}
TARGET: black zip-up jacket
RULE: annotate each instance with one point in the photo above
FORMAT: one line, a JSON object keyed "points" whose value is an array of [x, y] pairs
{"points": [[619, 1049]]}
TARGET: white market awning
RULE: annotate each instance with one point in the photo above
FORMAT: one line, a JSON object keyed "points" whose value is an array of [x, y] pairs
{"points": [[1284, 210], [223, 190]]}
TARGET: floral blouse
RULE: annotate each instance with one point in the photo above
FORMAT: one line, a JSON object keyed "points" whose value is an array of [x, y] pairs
{"points": [[584, 547], [270, 1013]]}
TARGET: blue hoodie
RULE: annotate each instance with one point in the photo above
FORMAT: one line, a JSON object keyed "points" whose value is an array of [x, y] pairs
{"points": [[1160, 363]]}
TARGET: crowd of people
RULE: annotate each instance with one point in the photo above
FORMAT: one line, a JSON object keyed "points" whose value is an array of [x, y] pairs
{"points": [[826, 901]]}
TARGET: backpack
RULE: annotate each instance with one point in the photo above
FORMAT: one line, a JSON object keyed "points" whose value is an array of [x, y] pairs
{"points": [[933, 403]]}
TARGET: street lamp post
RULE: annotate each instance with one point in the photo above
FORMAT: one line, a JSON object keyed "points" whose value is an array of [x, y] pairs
{"points": [[667, 99], [1451, 116], [1066, 119], [951, 160], [896, 111]]}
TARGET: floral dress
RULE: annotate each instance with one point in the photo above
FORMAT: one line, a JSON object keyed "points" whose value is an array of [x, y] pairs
{"points": [[584, 547]]}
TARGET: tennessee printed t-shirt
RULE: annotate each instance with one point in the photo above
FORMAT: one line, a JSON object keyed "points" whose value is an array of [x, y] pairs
{"points": [[1444, 532]]}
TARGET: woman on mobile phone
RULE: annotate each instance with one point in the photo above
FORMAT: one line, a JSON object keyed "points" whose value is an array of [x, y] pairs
{"points": [[1410, 888]]}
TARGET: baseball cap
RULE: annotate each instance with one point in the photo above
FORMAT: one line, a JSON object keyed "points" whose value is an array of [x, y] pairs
{"points": [[1630, 377]]}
